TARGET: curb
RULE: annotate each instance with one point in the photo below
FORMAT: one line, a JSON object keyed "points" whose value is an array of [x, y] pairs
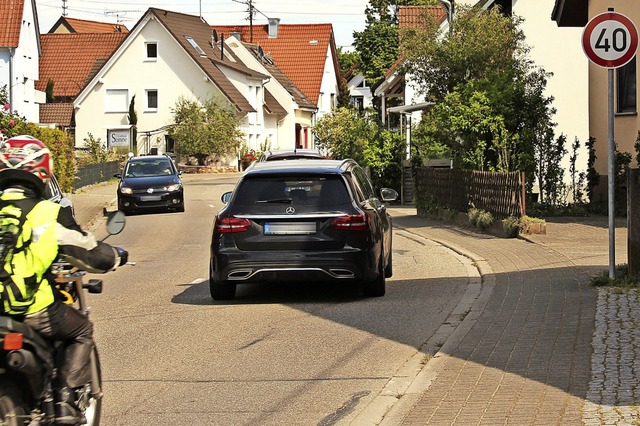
{"points": [[415, 376]]}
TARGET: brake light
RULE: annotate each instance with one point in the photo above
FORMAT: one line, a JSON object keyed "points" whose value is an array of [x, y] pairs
{"points": [[227, 225], [12, 341], [351, 222]]}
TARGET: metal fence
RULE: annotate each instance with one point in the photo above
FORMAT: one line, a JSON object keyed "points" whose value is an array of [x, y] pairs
{"points": [[502, 194]]}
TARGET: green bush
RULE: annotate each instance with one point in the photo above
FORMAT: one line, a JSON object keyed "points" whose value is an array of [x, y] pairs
{"points": [[511, 226], [480, 219], [61, 146]]}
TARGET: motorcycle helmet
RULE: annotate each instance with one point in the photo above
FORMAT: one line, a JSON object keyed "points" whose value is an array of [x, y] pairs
{"points": [[26, 161]]}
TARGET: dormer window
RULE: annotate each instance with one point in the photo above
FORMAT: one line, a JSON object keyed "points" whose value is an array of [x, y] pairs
{"points": [[151, 51], [193, 43]]}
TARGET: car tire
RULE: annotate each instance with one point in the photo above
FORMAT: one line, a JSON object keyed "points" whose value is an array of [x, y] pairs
{"points": [[220, 290], [377, 286]]}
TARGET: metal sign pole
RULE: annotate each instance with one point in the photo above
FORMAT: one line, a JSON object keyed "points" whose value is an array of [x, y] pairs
{"points": [[611, 183], [610, 40]]}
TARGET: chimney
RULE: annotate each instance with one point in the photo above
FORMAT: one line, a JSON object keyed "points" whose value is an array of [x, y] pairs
{"points": [[273, 27]]}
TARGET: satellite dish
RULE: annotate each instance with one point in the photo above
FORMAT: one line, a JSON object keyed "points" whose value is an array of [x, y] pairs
{"points": [[260, 52]]}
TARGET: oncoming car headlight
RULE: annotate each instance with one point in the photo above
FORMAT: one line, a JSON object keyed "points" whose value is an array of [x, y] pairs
{"points": [[126, 190], [174, 187]]}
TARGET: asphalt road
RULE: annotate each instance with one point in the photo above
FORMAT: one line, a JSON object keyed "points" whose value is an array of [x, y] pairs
{"points": [[285, 354]]}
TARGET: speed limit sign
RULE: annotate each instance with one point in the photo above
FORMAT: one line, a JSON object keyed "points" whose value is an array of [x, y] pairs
{"points": [[610, 40]]}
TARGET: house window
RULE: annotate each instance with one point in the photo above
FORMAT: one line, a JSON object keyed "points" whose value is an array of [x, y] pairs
{"points": [[626, 90], [362, 84], [151, 51], [152, 100], [259, 104], [116, 100], [195, 45], [333, 101], [358, 102]]}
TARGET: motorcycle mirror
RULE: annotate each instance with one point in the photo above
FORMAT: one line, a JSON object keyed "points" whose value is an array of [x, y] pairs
{"points": [[115, 222]]}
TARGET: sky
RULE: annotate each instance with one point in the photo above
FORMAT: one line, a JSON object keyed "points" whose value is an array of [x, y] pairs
{"points": [[346, 16]]}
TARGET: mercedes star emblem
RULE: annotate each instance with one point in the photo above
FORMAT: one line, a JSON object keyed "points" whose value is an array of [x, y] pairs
{"points": [[290, 210]]}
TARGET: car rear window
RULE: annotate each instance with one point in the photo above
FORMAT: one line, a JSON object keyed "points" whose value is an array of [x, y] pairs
{"points": [[320, 192]]}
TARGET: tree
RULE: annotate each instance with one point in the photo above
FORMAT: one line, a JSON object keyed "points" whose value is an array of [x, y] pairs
{"points": [[377, 44], [204, 129], [348, 133], [490, 110], [344, 97], [347, 60], [49, 92], [133, 120], [344, 133]]}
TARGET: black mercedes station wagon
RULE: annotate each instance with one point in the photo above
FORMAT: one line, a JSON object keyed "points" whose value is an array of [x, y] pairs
{"points": [[302, 220]]}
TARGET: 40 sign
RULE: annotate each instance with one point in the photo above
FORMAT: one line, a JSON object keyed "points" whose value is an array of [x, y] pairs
{"points": [[610, 40]]}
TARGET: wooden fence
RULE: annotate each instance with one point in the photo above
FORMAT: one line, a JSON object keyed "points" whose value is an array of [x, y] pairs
{"points": [[502, 194]]}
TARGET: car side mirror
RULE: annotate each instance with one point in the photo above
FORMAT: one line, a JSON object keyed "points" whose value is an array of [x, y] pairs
{"points": [[388, 194], [115, 221], [226, 197], [117, 175]]}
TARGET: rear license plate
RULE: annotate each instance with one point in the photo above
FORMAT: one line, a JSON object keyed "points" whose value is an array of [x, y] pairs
{"points": [[150, 198], [289, 228]]}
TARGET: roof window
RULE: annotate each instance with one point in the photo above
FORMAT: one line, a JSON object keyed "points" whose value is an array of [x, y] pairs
{"points": [[193, 43]]}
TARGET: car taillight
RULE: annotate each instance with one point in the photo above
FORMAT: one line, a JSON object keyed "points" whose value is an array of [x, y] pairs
{"points": [[12, 342], [352, 222], [226, 225]]}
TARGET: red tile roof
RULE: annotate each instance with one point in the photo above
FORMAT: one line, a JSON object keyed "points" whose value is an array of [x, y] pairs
{"points": [[69, 59], [299, 50], [11, 18], [73, 25], [60, 114], [413, 16]]}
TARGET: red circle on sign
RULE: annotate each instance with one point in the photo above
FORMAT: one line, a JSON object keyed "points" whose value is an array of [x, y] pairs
{"points": [[606, 62]]}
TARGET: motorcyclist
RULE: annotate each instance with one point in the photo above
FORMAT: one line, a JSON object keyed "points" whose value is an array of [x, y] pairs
{"points": [[27, 284]]}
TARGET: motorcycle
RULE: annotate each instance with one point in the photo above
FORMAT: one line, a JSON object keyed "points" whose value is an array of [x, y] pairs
{"points": [[28, 361]]}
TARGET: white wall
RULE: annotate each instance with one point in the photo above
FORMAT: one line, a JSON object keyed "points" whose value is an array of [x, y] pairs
{"points": [[328, 87], [559, 50], [25, 69], [173, 74]]}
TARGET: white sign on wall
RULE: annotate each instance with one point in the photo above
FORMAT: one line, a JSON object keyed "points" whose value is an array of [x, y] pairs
{"points": [[118, 138]]}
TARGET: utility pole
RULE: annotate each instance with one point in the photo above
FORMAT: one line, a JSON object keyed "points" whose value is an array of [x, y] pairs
{"points": [[120, 14], [250, 21], [252, 10]]}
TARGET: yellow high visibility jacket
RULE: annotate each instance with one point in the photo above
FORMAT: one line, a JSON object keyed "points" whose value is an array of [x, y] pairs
{"points": [[24, 288]]}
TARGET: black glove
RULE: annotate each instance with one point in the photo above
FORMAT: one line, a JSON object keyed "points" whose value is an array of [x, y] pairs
{"points": [[124, 255]]}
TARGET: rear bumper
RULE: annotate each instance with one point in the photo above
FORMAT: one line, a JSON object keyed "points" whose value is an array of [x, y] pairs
{"points": [[242, 267]]}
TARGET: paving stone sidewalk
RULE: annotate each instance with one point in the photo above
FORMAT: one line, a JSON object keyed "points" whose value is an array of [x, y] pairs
{"points": [[541, 345]]}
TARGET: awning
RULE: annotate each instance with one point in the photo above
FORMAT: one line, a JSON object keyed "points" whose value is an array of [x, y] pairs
{"points": [[406, 109]]}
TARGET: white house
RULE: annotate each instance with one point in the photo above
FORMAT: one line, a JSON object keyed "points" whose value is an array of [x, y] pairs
{"points": [[19, 54], [165, 56], [288, 110]]}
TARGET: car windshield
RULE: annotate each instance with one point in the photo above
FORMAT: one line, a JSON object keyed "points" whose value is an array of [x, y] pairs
{"points": [[146, 168], [319, 192]]}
